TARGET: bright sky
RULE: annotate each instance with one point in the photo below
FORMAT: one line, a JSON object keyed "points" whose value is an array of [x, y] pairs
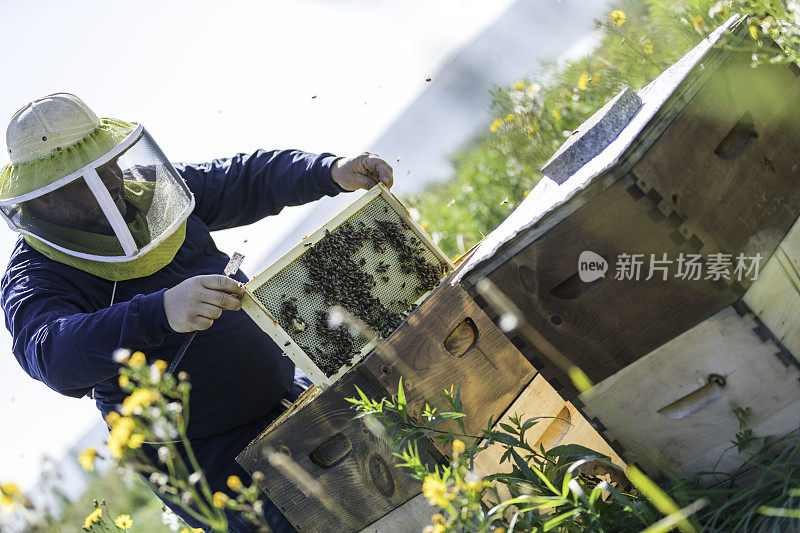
{"points": [[208, 79]]}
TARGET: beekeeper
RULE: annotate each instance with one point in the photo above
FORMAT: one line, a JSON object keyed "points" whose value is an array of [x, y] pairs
{"points": [[116, 251]]}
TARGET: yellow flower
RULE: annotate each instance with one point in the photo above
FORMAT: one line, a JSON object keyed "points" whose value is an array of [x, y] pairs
{"points": [[754, 32], [458, 447], [161, 366], [437, 518], [699, 24], [120, 435], [526, 193], [191, 530], [123, 381], [220, 499], [86, 459], [123, 521], [8, 493], [136, 441], [474, 486], [435, 490], [138, 398], [93, 518], [648, 46], [519, 85], [112, 418], [583, 82], [495, 125], [617, 17], [558, 113], [510, 117], [234, 483], [137, 359], [425, 225], [533, 128]]}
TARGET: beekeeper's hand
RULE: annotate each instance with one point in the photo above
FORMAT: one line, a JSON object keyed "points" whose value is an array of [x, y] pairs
{"points": [[361, 172], [194, 304]]}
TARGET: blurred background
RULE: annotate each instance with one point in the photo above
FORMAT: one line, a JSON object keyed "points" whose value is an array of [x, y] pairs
{"points": [[411, 81]]}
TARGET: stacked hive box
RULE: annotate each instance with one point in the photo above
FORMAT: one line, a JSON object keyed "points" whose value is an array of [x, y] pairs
{"points": [[704, 173], [446, 341]]}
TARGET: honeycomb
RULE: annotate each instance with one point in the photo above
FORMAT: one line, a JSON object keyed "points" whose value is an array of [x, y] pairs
{"points": [[372, 263]]}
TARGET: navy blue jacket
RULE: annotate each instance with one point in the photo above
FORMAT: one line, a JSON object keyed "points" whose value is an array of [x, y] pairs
{"points": [[64, 331]]}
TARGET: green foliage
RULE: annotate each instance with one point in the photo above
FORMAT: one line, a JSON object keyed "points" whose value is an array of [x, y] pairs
{"points": [[574, 489], [543, 490], [494, 173]]}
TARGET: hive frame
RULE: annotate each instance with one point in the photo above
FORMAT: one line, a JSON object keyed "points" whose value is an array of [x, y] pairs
{"points": [[267, 321]]}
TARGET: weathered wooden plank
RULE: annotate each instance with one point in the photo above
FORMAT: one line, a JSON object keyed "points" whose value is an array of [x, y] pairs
{"points": [[603, 326], [561, 423], [449, 341], [775, 296], [347, 477], [413, 515], [672, 408]]}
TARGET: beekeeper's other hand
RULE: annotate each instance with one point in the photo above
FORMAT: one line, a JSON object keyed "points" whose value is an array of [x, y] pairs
{"points": [[194, 304], [361, 172]]}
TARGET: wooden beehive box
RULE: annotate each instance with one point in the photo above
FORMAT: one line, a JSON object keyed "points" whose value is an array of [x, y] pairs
{"points": [[371, 259], [341, 474], [448, 341], [706, 166], [673, 409]]}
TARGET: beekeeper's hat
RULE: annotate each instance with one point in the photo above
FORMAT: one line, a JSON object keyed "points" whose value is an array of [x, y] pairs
{"points": [[94, 193]]}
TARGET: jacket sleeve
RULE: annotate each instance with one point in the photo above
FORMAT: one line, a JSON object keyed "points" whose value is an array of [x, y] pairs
{"points": [[246, 188], [58, 342]]}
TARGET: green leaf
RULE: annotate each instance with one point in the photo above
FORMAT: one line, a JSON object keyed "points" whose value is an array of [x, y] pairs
{"points": [[553, 522], [530, 473], [574, 451], [401, 401], [508, 428]]}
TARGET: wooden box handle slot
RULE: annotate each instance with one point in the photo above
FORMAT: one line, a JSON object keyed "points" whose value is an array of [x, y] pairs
{"points": [[557, 429], [381, 475], [462, 339], [696, 400], [331, 452], [737, 139]]}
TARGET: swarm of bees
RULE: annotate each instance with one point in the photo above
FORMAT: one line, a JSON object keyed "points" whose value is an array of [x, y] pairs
{"points": [[341, 278], [409, 256], [290, 313]]}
